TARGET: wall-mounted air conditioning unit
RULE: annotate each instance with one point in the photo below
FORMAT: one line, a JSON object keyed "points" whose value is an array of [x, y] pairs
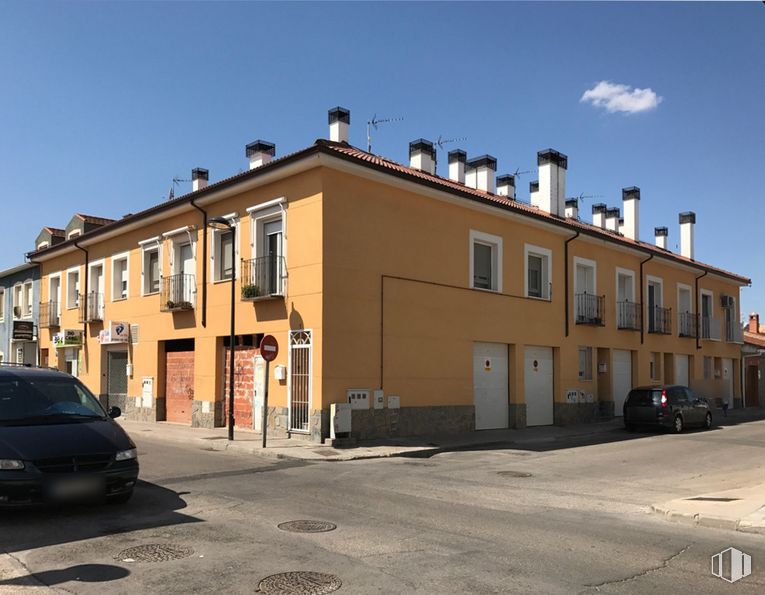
{"points": [[726, 301]]}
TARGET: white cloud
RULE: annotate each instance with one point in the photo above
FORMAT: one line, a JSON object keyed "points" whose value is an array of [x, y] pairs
{"points": [[621, 98]]}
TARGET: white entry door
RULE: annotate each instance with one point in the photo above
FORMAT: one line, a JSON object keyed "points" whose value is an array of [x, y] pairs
{"points": [[622, 375], [538, 380], [490, 386], [681, 369], [727, 374]]}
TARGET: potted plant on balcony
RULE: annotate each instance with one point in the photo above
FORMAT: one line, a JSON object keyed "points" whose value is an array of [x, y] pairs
{"points": [[250, 291], [170, 305]]}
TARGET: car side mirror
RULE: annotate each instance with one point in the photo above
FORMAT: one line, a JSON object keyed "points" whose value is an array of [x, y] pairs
{"points": [[115, 412]]}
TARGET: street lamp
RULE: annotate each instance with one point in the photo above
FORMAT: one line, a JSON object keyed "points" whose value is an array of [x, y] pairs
{"points": [[223, 224]]}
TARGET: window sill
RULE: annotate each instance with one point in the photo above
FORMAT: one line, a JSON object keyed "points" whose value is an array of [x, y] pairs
{"points": [[539, 299], [119, 299], [149, 294], [218, 281], [485, 289]]}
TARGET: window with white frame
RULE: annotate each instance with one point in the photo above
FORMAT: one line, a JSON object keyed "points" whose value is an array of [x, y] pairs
{"points": [[265, 273], [654, 365], [585, 363], [223, 263], [150, 270], [485, 261], [73, 234], [120, 277], [2, 303], [73, 288], [538, 272], [18, 300], [42, 245], [28, 297]]}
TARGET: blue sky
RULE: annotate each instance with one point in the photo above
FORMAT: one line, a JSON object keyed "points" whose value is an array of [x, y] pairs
{"points": [[102, 104]]}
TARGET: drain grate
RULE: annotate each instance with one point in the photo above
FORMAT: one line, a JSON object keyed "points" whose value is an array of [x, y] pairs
{"points": [[513, 474], [300, 583], [305, 526], [705, 499], [154, 552]]}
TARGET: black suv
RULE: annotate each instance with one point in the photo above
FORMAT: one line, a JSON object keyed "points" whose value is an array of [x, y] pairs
{"points": [[57, 443], [672, 407]]}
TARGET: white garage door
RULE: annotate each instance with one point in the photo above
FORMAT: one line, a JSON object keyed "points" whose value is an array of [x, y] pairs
{"points": [[681, 369], [538, 380], [727, 372], [490, 386], [622, 379]]}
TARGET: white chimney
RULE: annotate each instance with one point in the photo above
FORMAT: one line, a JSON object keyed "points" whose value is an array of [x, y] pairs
{"points": [[620, 225], [339, 121], [661, 234], [599, 215], [422, 155], [572, 208], [485, 168], [471, 176], [199, 178], [631, 203], [552, 181], [612, 219], [260, 152], [534, 193], [506, 186], [687, 223], [457, 160]]}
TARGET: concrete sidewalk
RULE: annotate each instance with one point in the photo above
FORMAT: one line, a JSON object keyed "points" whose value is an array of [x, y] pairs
{"points": [[741, 509], [249, 442]]}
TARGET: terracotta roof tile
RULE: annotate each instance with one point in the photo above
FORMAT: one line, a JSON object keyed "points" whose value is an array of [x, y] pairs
{"points": [[754, 339], [95, 220], [55, 231]]}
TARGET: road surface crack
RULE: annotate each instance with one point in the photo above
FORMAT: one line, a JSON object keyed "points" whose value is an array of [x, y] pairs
{"points": [[665, 563]]}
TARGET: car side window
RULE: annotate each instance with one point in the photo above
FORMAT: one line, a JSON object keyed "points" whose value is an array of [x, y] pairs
{"points": [[691, 396], [677, 397]]}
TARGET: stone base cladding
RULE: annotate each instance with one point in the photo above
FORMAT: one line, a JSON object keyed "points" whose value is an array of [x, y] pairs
{"points": [[738, 403], [278, 422], [131, 411], [606, 409], [411, 421], [212, 418], [517, 416], [566, 414], [319, 424]]}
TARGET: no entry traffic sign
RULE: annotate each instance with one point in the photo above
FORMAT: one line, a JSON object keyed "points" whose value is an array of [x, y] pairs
{"points": [[269, 348]]}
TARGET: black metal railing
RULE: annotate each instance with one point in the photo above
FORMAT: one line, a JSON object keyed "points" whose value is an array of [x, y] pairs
{"points": [[177, 292], [49, 317], [263, 277], [628, 315], [710, 328], [660, 320], [590, 309], [687, 325], [91, 307]]}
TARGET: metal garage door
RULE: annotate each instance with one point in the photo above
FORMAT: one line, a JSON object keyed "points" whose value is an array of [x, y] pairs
{"points": [[622, 363], [681, 369], [490, 385], [538, 380]]}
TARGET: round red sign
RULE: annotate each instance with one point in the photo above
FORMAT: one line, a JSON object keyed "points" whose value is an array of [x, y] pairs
{"points": [[269, 348]]}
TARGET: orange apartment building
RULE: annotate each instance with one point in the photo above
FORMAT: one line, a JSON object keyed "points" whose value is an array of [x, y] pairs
{"points": [[429, 303]]}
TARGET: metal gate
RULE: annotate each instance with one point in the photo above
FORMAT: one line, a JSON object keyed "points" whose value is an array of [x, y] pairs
{"points": [[300, 380], [116, 378]]}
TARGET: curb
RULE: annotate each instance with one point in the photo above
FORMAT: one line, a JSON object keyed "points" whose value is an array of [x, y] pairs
{"points": [[704, 520]]}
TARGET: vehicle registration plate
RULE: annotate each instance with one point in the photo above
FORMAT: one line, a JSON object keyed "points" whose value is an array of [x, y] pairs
{"points": [[76, 488]]}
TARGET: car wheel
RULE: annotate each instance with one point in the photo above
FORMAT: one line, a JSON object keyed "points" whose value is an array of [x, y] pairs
{"points": [[677, 426], [708, 422], [119, 498]]}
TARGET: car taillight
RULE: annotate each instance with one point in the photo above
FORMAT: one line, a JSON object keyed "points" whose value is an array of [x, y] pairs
{"points": [[663, 398]]}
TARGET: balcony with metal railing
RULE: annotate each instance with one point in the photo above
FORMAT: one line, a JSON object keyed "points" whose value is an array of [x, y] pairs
{"points": [[177, 292], [589, 309], [687, 325], [263, 278], [628, 316], [734, 333], [49, 315], [91, 307], [711, 329], [660, 320]]}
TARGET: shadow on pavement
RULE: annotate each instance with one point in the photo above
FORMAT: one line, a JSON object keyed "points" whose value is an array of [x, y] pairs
{"points": [[151, 506], [86, 573]]}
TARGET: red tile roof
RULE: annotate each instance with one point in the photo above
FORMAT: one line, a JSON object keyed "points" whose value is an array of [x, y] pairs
{"points": [[93, 220], [754, 339], [55, 231]]}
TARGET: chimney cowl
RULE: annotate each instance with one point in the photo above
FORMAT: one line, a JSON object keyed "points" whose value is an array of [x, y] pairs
{"points": [[260, 146], [534, 186], [483, 161], [572, 202], [613, 213], [457, 156], [506, 180], [552, 156], [600, 207], [339, 114], [687, 217], [661, 231], [422, 145], [199, 173], [633, 192]]}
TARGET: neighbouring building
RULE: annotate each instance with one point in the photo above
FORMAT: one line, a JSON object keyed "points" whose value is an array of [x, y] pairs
{"points": [[19, 301], [429, 303], [753, 353]]}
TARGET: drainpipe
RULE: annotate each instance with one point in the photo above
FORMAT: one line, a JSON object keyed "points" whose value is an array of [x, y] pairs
{"points": [[565, 277], [204, 261], [85, 306], [698, 314], [642, 299]]}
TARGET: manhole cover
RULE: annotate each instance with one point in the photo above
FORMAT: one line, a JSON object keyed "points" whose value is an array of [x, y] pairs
{"points": [[154, 552], [513, 474], [307, 526], [300, 583]]}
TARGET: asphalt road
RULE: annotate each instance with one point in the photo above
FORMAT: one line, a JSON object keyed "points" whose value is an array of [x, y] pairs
{"points": [[556, 518]]}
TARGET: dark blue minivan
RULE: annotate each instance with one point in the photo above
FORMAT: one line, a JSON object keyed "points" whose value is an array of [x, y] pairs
{"points": [[672, 407]]}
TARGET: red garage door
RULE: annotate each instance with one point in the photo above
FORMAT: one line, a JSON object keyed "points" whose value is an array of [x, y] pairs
{"points": [[179, 385]]}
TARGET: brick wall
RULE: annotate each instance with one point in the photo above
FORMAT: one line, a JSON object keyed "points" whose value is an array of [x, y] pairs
{"points": [[179, 387], [244, 385]]}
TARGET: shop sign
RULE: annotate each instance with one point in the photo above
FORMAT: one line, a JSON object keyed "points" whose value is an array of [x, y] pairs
{"points": [[114, 332], [23, 330]]}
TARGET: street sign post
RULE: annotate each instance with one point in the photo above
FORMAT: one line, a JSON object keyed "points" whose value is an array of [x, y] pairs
{"points": [[269, 349]]}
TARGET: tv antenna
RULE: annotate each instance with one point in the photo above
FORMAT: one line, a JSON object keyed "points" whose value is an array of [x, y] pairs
{"points": [[176, 182], [582, 197], [373, 123], [445, 141], [518, 173]]}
